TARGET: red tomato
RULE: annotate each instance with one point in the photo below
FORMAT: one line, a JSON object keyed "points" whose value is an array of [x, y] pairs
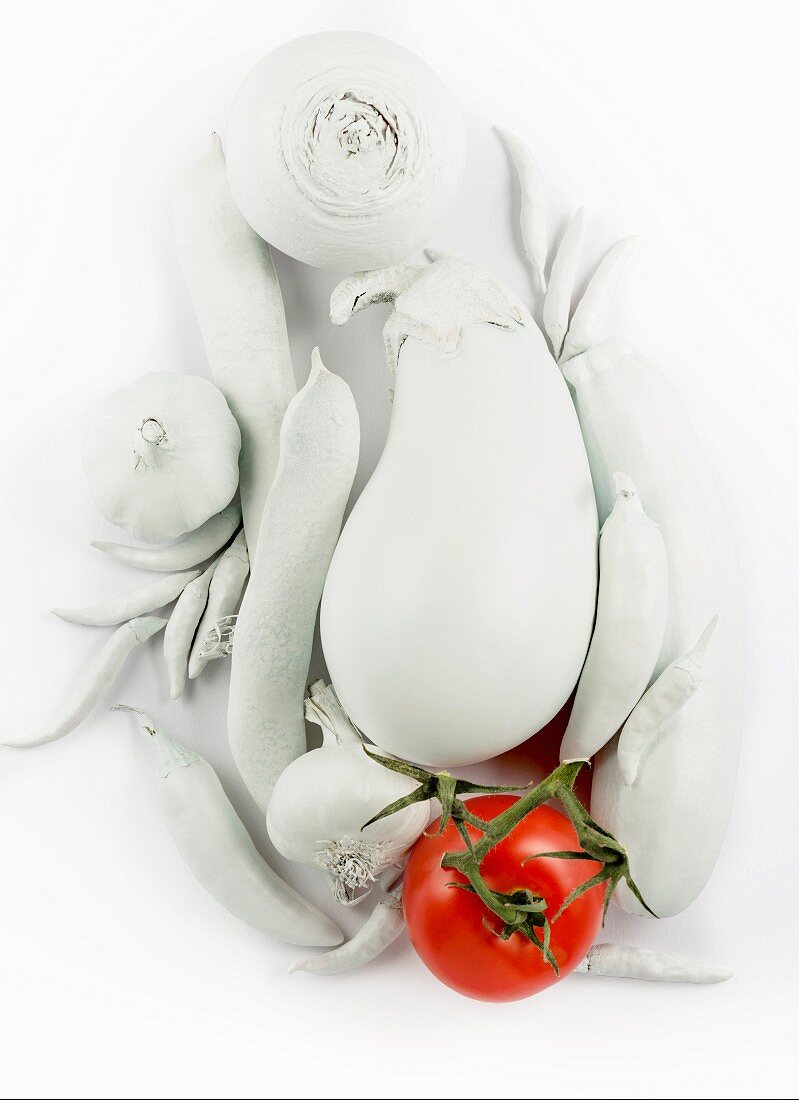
{"points": [[447, 926]]}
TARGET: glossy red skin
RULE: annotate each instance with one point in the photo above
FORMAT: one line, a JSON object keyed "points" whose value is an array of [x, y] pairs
{"points": [[446, 925]]}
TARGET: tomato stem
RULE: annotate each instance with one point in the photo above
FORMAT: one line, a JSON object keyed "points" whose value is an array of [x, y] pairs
{"points": [[521, 911]]}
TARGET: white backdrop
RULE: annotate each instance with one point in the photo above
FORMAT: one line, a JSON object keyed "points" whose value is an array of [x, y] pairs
{"points": [[118, 976]]}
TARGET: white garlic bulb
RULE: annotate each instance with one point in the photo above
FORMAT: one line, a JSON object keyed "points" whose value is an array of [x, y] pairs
{"points": [[162, 455], [323, 799], [344, 150]]}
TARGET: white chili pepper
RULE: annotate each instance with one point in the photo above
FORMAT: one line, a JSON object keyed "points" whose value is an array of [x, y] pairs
{"points": [[630, 621], [533, 219], [182, 627], [130, 605], [677, 683], [188, 551], [384, 925], [275, 627], [613, 960], [224, 594], [557, 304], [219, 851], [592, 309], [96, 681]]}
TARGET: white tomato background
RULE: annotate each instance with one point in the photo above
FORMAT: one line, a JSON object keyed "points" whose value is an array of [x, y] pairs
{"points": [[118, 976]]}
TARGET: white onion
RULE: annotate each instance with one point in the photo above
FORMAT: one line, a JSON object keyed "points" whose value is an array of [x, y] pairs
{"points": [[344, 150]]}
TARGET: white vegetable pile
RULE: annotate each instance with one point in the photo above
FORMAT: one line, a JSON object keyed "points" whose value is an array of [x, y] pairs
{"points": [[467, 595]]}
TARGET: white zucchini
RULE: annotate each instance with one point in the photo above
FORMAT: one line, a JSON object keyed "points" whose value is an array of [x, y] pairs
{"points": [[630, 620], [234, 288], [274, 630], [673, 818]]}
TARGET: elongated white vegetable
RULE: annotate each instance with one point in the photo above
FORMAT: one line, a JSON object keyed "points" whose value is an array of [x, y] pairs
{"points": [[188, 551], [182, 626], [321, 804], [673, 819], [591, 311], [236, 295], [458, 608], [630, 620], [220, 853], [95, 682], [557, 304], [274, 631], [130, 605], [677, 683], [227, 585], [384, 925], [612, 960], [532, 219]]}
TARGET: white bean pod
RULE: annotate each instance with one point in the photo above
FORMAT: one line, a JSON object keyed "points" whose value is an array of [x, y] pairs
{"points": [[613, 960], [557, 304], [275, 626], [532, 216], [95, 682], [227, 585], [591, 311], [130, 605], [220, 853], [630, 620], [193, 548]]}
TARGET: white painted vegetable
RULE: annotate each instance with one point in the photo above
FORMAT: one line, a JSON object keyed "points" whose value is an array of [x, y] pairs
{"points": [[384, 925], [532, 217], [236, 295], [323, 800], [344, 150], [630, 620], [227, 585], [591, 311], [182, 627], [612, 960], [459, 604], [162, 455], [218, 849], [557, 304], [673, 819], [190, 550], [95, 682], [677, 683], [274, 630], [131, 604]]}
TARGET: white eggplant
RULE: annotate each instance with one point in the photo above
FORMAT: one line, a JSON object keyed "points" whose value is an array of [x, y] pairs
{"points": [[459, 604], [234, 288], [218, 849], [673, 818], [274, 629], [630, 620]]}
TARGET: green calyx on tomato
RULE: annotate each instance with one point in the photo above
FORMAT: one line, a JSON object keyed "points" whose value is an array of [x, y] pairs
{"points": [[521, 910]]}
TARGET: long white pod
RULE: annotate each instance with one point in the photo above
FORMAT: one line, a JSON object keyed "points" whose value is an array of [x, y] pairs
{"points": [[384, 925], [131, 604], [557, 304], [95, 682], [188, 551], [677, 683], [234, 288], [224, 594], [219, 851], [613, 960], [274, 631], [673, 819], [532, 217], [630, 620], [182, 627]]}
